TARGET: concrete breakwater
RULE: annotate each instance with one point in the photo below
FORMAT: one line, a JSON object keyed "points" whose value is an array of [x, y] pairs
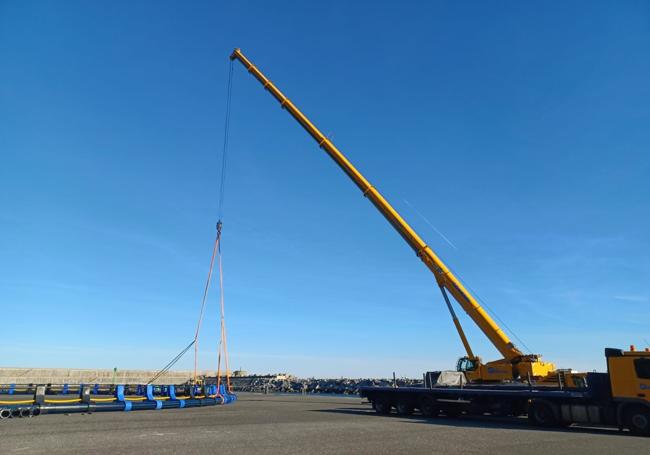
{"points": [[254, 383], [271, 384], [90, 376]]}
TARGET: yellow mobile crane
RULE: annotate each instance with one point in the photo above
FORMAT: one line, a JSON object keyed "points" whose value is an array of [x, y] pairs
{"points": [[618, 397], [515, 364]]}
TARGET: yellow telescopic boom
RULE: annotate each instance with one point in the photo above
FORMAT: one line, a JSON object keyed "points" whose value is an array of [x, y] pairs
{"points": [[443, 275]]}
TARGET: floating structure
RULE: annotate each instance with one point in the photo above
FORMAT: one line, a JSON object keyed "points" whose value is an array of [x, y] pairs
{"points": [[33, 400]]}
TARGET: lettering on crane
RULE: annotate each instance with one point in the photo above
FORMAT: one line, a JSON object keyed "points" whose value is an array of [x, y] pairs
{"points": [[496, 370]]}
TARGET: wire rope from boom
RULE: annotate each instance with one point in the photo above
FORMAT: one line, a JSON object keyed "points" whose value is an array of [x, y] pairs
{"points": [[216, 251], [224, 153], [223, 344]]}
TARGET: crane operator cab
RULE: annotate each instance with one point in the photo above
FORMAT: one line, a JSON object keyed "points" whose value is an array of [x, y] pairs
{"points": [[475, 371], [466, 364]]}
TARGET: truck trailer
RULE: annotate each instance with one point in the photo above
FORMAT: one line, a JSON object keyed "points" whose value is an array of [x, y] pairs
{"points": [[616, 398]]}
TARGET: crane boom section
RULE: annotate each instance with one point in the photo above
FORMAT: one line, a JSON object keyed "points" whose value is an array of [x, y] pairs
{"points": [[443, 275]]}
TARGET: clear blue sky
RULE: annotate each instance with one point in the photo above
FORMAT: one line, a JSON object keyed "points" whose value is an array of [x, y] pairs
{"points": [[520, 130]]}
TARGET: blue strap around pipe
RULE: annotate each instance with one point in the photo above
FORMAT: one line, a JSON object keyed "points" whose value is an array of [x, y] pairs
{"points": [[119, 393]]}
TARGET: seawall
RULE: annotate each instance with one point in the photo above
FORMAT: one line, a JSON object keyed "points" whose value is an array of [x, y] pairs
{"points": [[90, 376]]}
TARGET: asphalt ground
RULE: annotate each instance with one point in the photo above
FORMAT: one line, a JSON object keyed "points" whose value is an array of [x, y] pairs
{"points": [[281, 424]]}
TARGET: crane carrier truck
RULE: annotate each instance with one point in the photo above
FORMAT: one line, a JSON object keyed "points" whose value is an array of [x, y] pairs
{"points": [[519, 383]]}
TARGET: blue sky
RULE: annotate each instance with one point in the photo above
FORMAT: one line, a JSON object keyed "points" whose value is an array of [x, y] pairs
{"points": [[519, 130]]}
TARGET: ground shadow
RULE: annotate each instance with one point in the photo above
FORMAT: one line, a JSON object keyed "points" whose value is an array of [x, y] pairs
{"points": [[274, 400], [504, 423]]}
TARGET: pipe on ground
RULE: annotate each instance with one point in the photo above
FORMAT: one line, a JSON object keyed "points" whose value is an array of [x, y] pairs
{"points": [[127, 405]]}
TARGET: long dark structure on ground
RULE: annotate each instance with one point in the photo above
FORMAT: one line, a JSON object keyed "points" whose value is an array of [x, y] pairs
{"points": [[594, 403], [32, 400]]}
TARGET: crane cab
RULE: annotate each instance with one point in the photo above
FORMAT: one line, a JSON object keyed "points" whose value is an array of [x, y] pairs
{"points": [[476, 371], [467, 365]]}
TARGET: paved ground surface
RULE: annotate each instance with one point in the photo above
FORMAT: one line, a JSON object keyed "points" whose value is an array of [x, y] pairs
{"points": [[258, 424]]}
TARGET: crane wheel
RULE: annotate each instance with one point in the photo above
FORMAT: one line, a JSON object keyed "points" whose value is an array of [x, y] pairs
{"points": [[382, 407], [542, 414], [637, 419], [404, 408]]}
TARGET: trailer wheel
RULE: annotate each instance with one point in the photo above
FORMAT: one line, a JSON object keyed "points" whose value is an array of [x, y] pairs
{"points": [[637, 419], [428, 408], [452, 412], [404, 408], [541, 414], [382, 407]]}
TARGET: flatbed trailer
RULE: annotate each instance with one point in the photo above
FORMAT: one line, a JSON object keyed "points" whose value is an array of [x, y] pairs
{"points": [[543, 405]]}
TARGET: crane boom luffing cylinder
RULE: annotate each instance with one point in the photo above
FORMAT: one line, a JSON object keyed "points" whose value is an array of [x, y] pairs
{"points": [[515, 363]]}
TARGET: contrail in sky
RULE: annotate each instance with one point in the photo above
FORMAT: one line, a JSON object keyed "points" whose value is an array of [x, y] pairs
{"points": [[431, 225]]}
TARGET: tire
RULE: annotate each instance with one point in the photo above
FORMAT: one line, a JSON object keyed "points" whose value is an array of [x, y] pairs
{"points": [[541, 414], [428, 408], [637, 419], [452, 412], [382, 407], [404, 408]]}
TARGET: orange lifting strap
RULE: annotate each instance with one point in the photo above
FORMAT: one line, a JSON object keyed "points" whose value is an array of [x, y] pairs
{"points": [[215, 249], [223, 342]]}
